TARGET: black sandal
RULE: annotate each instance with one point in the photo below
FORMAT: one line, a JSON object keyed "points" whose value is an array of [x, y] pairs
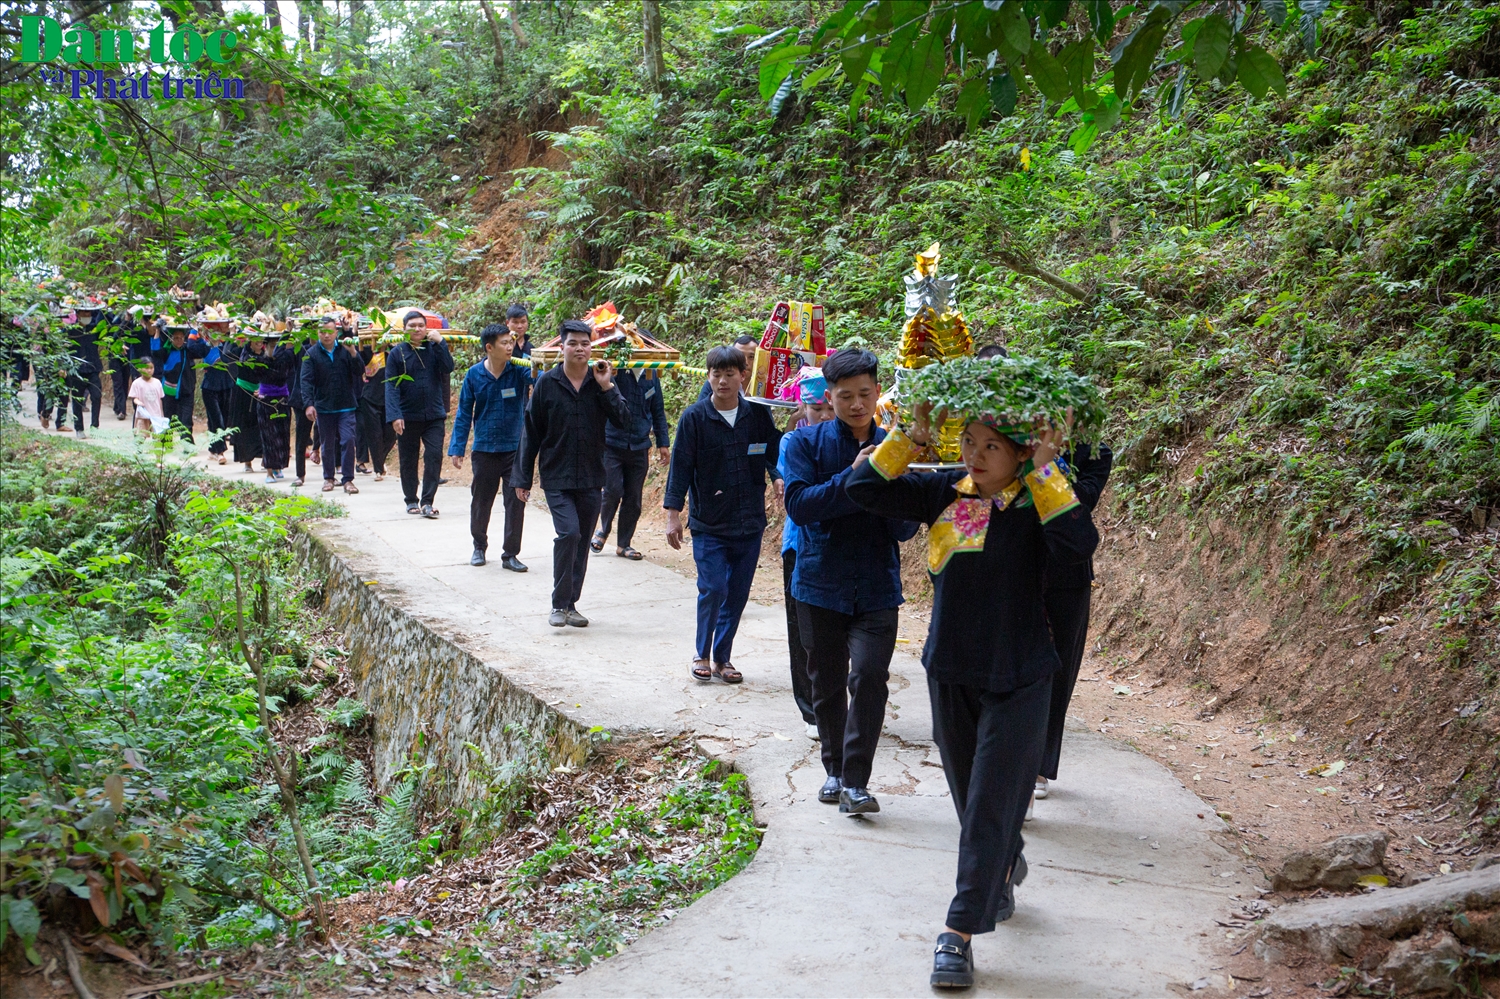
{"points": [[596, 543], [707, 672], [630, 553], [727, 673], [414, 509]]}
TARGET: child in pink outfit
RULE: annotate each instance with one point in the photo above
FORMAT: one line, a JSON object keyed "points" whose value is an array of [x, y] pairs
{"points": [[146, 392]]}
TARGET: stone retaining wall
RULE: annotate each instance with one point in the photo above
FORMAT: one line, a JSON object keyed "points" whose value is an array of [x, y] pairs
{"points": [[429, 699]]}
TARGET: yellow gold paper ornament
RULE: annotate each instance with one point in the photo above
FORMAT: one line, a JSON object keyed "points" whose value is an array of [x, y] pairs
{"points": [[935, 330]]}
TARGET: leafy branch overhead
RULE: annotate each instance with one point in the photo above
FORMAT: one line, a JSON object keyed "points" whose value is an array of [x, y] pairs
{"points": [[994, 52]]}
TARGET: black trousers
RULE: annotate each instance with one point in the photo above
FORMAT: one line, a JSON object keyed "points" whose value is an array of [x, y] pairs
{"points": [[624, 478], [491, 475], [180, 407], [1068, 617], [216, 407], [302, 441], [801, 681], [850, 651], [574, 513], [991, 746], [81, 387], [120, 373], [425, 436], [377, 437]]}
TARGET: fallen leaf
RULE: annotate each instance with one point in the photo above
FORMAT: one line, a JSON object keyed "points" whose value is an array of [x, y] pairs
{"points": [[1122, 690], [115, 950], [1374, 881], [114, 789], [1327, 769]]}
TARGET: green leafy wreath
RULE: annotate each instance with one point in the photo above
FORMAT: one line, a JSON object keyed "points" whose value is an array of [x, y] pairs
{"points": [[1014, 392]]}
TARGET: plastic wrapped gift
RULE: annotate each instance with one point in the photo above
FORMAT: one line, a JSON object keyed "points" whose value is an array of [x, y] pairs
{"points": [[793, 339]]}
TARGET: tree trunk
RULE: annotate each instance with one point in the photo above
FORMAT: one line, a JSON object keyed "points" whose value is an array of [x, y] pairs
{"points": [[656, 67], [273, 21], [319, 18], [359, 30], [514, 7], [489, 15], [304, 24]]}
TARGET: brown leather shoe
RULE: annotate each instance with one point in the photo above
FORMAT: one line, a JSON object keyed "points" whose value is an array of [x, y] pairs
{"points": [[350, 487], [328, 485]]}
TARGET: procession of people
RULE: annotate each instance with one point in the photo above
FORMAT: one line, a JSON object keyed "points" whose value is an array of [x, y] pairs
{"points": [[857, 471]]}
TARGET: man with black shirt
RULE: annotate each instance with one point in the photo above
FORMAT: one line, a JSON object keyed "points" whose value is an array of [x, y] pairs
{"points": [[416, 385], [723, 460], [570, 406], [518, 321], [83, 380], [130, 346], [331, 377], [218, 397], [847, 580], [379, 435], [627, 457], [1068, 589]]}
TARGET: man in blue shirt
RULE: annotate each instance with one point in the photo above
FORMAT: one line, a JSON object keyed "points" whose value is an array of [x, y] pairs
{"points": [[627, 457], [330, 383], [723, 458], [813, 393], [847, 581], [493, 401]]}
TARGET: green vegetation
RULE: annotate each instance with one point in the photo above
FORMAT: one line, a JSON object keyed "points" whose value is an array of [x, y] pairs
{"points": [[142, 785], [1291, 303]]}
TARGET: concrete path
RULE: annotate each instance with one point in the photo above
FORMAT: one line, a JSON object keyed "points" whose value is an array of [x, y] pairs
{"points": [[831, 905]]}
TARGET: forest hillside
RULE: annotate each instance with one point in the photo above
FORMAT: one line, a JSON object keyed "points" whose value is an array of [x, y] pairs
{"points": [[1288, 285]]}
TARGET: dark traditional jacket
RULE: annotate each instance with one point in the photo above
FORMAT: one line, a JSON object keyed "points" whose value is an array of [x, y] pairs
{"points": [[565, 431], [988, 560], [331, 382], [722, 470], [416, 381], [647, 414], [1092, 464]]}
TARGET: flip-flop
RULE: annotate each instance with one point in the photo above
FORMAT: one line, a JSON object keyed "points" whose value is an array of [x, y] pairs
{"points": [[727, 673], [707, 676], [631, 554], [596, 543]]}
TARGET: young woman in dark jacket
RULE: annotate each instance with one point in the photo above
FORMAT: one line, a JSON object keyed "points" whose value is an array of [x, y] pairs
{"points": [[995, 529]]}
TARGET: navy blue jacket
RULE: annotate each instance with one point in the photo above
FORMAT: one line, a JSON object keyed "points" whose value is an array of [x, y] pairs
{"points": [[848, 560], [216, 376], [178, 367], [1092, 463], [495, 407], [416, 381], [647, 414], [330, 383], [722, 470]]}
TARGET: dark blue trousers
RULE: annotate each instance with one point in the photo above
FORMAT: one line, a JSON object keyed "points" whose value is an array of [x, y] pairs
{"points": [[726, 567]]}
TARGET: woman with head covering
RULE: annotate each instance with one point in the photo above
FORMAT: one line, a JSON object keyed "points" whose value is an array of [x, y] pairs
{"points": [[995, 528], [273, 409]]}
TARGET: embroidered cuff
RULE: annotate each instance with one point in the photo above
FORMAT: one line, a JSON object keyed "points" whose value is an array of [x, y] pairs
{"points": [[893, 454], [1051, 491]]}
